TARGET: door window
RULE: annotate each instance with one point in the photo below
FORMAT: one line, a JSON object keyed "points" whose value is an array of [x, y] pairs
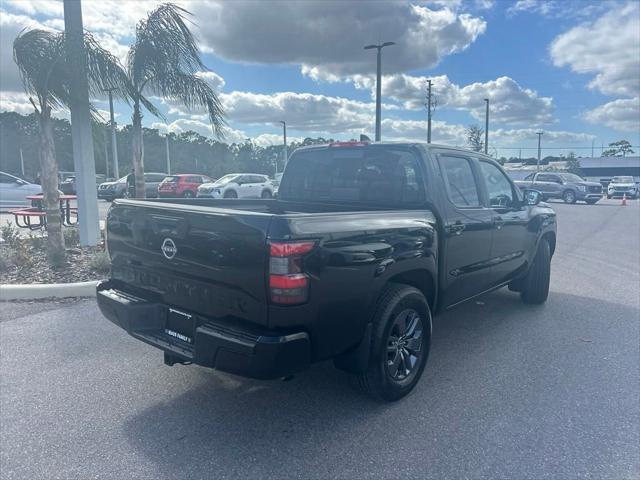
{"points": [[498, 186], [460, 181], [4, 178], [194, 179]]}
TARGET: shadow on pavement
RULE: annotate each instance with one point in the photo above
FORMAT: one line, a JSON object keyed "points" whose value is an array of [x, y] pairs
{"points": [[492, 361]]}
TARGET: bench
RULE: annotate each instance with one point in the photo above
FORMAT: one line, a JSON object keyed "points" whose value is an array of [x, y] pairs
{"points": [[24, 216]]}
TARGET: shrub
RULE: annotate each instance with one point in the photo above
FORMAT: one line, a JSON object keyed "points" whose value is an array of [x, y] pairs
{"points": [[37, 242], [5, 260], [10, 234], [71, 236], [100, 262]]}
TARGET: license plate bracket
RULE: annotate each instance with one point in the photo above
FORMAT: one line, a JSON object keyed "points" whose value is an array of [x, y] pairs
{"points": [[180, 325]]}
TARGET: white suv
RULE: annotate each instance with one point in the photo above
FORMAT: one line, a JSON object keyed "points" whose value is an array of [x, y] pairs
{"points": [[622, 185], [238, 185]]}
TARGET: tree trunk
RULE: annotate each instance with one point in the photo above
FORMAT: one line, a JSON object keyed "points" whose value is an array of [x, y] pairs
{"points": [[138, 151], [51, 197]]}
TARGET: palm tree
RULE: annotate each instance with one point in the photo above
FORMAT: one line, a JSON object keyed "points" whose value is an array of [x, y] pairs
{"points": [[42, 62], [164, 61]]}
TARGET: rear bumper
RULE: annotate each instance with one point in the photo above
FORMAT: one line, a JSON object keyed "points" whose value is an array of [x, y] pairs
{"points": [[215, 343]]}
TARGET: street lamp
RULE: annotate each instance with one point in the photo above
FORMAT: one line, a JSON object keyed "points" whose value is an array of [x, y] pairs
{"points": [[486, 128], [284, 132], [112, 124], [379, 83], [539, 151]]}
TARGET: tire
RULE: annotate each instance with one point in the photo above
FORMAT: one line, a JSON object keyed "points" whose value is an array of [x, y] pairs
{"points": [[401, 338], [188, 194], [535, 285], [266, 194], [569, 196], [591, 202], [230, 194]]}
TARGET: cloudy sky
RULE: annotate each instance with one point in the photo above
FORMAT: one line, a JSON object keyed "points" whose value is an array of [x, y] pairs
{"points": [[570, 68]]}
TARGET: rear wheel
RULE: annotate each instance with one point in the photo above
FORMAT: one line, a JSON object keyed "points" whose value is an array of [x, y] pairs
{"points": [[230, 194], [569, 196], [400, 343], [188, 194], [535, 286], [266, 194]]}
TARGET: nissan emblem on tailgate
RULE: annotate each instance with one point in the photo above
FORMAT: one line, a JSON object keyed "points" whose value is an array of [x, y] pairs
{"points": [[169, 248]]}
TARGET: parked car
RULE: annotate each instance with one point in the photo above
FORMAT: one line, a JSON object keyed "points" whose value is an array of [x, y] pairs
{"points": [[14, 190], [624, 185], [68, 185], [363, 245], [568, 187], [112, 190], [182, 185], [238, 185]]}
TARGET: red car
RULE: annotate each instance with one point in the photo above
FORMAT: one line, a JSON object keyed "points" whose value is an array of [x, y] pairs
{"points": [[183, 185]]}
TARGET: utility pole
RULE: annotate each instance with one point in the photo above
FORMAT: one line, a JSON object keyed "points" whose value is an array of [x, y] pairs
{"points": [[166, 148], [486, 128], [114, 144], [284, 133], [106, 152], [21, 162], [81, 136], [429, 112], [379, 85], [539, 151]]}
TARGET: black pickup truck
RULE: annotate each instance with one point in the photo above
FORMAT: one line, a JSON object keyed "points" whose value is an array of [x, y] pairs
{"points": [[364, 243]]}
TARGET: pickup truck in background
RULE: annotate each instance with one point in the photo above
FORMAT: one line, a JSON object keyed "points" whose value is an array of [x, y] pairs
{"points": [[364, 243], [568, 187]]}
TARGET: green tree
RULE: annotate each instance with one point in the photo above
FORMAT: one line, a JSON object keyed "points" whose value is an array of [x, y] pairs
{"points": [[475, 138], [573, 164], [164, 61], [618, 149], [42, 62]]}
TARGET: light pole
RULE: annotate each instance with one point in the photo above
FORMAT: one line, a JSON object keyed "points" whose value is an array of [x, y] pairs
{"points": [[486, 128], [166, 148], [539, 151], [379, 84], [81, 136], [429, 112], [114, 144], [284, 133]]}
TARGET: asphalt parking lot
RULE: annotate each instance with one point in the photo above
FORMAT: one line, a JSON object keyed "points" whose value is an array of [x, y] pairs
{"points": [[510, 391]]}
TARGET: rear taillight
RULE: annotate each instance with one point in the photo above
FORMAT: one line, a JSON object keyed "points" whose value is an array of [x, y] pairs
{"points": [[288, 284]]}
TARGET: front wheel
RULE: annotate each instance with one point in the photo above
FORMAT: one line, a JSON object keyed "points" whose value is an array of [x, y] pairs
{"points": [[535, 286], [230, 194], [569, 196], [400, 343]]}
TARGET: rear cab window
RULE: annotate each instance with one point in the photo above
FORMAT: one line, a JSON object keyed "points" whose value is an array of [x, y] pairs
{"points": [[378, 174]]}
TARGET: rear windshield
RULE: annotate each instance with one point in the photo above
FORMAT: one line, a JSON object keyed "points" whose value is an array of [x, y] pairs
{"points": [[379, 174]]}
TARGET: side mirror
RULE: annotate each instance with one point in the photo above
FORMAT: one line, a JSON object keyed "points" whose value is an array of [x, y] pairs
{"points": [[532, 197]]}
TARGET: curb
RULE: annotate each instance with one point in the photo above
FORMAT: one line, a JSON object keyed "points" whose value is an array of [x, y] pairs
{"points": [[48, 290]]}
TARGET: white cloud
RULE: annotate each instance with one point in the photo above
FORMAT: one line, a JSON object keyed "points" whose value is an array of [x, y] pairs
{"points": [[329, 36], [15, 102], [621, 114], [215, 81], [509, 102], [608, 47]]}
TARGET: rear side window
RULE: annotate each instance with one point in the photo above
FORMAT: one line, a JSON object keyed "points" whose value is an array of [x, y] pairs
{"points": [[194, 179], [460, 181], [372, 174]]}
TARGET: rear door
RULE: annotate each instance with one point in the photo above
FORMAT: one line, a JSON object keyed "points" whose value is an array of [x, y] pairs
{"points": [[467, 229], [547, 184]]}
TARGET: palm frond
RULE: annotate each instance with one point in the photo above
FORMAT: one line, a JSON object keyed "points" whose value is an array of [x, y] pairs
{"points": [[104, 71], [193, 92]]}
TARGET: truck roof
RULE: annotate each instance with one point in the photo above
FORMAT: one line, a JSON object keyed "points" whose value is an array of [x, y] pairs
{"points": [[426, 146]]}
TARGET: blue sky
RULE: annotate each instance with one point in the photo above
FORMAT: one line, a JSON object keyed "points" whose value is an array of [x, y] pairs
{"points": [[569, 68]]}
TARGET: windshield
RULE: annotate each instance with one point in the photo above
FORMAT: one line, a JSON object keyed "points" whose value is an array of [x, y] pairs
{"points": [[373, 174], [226, 179], [571, 177], [622, 180]]}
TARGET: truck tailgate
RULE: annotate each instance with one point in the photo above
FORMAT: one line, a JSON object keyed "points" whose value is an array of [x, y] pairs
{"points": [[206, 260]]}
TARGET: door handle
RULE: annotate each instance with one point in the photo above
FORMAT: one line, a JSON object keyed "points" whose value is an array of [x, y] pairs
{"points": [[498, 222], [457, 228]]}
